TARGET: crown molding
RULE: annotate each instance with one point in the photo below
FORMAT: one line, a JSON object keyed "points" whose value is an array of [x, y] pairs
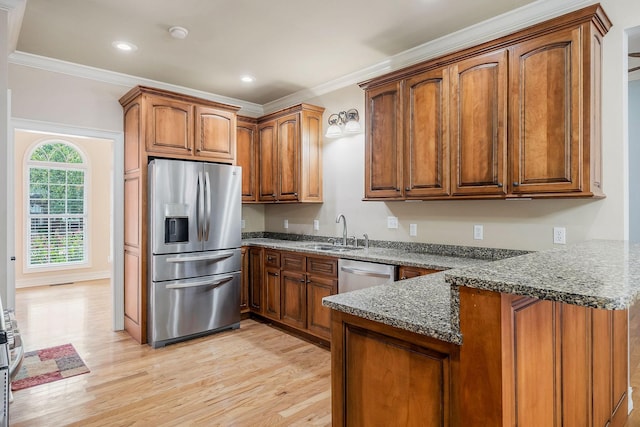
{"points": [[15, 9], [58, 66], [490, 29]]}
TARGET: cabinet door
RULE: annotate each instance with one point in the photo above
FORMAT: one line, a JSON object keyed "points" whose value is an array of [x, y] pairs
{"points": [[545, 115], [294, 299], [267, 159], [426, 140], [272, 292], [288, 153], [215, 134], [383, 145], [319, 316], [246, 139], [256, 275], [169, 126], [479, 125], [311, 157]]}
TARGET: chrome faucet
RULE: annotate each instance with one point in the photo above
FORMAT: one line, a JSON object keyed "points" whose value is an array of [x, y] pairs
{"points": [[344, 228]]}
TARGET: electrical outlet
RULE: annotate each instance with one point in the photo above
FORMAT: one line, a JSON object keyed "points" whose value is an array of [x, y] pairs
{"points": [[478, 232], [559, 235], [316, 224], [392, 222], [413, 230], [244, 224], [286, 223]]}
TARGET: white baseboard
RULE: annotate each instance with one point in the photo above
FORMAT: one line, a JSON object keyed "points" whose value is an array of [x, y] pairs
{"points": [[62, 278]]}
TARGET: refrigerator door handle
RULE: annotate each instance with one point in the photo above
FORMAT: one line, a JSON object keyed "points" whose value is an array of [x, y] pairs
{"points": [[207, 206], [200, 283], [215, 257], [200, 212]]}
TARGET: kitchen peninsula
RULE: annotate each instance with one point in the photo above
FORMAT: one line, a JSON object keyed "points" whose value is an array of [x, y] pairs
{"points": [[538, 339]]}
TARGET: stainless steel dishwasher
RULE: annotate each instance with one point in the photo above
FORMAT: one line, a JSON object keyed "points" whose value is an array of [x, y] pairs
{"points": [[354, 275]]}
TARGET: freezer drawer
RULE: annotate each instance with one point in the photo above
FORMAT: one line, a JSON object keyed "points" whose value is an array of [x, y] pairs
{"points": [[195, 264], [183, 309]]}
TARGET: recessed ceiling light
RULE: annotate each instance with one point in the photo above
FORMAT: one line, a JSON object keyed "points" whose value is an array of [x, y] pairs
{"points": [[248, 79], [124, 46]]}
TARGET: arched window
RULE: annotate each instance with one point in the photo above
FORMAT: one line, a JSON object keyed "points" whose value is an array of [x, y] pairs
{"points": [[56, 211]]}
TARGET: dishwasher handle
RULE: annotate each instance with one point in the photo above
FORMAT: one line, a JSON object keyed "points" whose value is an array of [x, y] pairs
{"points": [[367, 273]]}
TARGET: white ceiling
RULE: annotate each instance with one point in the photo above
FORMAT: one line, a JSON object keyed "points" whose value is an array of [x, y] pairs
{"points": [[287, 45]]}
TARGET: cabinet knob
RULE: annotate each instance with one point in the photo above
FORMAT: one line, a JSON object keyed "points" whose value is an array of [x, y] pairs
{"points": [[407, 189], [515, 184], [295, 194], [273, 195], [397, 189], [500, 185], [276, 274], [302, 281], [403, 277]]}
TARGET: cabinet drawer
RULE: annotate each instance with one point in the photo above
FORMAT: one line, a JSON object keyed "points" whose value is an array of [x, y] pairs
{"points": [[271, 258], [323, 266], [293, 262]]}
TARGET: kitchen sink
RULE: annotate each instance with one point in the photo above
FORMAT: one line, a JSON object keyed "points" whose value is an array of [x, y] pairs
{"points": [[329, 247]]}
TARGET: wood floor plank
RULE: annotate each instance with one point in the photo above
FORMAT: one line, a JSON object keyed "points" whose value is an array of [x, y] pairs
{"points": [[256, 375]]}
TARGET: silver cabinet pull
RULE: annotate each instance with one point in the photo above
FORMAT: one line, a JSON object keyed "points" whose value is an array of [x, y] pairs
{"points": [[367, 273], [201, 283], [210, 257]]}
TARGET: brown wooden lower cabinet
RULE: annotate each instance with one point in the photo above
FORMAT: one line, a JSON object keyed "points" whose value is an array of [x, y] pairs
{"points": [[523, 361], [288, 287], [407, 272]]}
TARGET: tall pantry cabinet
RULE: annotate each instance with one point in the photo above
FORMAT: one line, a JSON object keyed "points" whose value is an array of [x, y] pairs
{"points": [[159, 123]]}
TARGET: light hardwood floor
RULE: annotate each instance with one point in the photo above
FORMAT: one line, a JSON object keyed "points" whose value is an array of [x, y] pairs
{"points": [[257, 375]]}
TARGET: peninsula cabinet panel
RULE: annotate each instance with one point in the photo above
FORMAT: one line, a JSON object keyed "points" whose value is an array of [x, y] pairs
{"points": [[546, 92], [215, 134], [244, 282], [384, 376], [383, 145], [478, 124], [246, 157], [426, 149]]}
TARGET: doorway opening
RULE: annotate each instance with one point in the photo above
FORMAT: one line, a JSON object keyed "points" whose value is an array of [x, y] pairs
{"points": [[102, 152]]}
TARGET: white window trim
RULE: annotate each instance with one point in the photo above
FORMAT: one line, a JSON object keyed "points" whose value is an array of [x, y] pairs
{"points": [[84, 166]]}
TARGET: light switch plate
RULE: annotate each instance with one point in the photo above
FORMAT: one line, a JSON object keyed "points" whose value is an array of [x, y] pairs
{"points": [[392, 222], [244, 224], [413, 230], [286, 223], [478, 232], [316, 224]]}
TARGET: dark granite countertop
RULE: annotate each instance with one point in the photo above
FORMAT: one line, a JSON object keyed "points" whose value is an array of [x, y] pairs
{"points": [[394, 256], [422, 305], [598, 273]]}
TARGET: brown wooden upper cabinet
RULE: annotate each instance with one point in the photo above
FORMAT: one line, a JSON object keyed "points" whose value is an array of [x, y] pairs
{"points": [[247, 157], [182, 127], [289, 155], [514, 117]]}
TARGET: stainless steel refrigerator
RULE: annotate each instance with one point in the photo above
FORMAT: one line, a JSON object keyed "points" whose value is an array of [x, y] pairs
{"points": [[194, 260]]}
